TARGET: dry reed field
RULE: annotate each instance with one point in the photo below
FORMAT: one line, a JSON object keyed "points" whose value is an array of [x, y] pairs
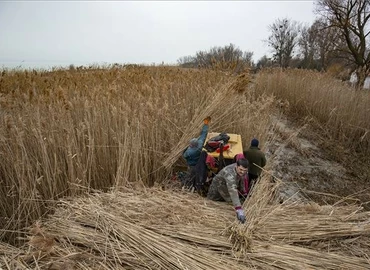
{"points": [[87, 157], [68, 131], [335, 117], [340, 113]]}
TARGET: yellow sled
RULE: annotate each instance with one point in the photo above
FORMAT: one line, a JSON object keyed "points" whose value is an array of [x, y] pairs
{"points": [[235, 146]]}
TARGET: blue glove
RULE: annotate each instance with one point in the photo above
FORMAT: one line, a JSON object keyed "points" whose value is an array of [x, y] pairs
{"points": [[240, 215]]}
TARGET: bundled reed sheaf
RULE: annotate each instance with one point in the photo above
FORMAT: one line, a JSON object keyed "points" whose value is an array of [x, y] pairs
{"points": [[222, 105]]}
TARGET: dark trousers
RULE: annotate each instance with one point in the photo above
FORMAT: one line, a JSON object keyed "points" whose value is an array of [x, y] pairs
{"points": [[252, 180], [189, 180]]}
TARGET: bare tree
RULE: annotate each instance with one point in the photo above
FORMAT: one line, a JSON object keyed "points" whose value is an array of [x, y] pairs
{"points": [[327, 42], [228, 57], [283, 40], [320, 45], [264, 62], [247, 58], [186, 61], [307, 45], [351, 17]]}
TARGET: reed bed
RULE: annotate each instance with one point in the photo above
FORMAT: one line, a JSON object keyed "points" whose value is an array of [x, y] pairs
{"points": [[338, 111], [67, 132], [92, 143]]}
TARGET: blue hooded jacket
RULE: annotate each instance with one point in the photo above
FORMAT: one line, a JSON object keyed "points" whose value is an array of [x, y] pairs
{"points": [[192, 153]]}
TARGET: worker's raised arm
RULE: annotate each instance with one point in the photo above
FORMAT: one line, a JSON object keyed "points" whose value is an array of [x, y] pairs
{"points": [[204, 132]]}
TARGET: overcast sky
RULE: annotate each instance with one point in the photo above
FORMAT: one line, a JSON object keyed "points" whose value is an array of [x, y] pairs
{"points": [[44, 33]]}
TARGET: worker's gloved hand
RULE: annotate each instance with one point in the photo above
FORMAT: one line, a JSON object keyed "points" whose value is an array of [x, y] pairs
{"points": [[240, 215], [207, 120]]}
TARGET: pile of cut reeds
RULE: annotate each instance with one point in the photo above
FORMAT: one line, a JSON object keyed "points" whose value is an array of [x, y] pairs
{"points": [[172, 229], [150, 229], [293, 235]]}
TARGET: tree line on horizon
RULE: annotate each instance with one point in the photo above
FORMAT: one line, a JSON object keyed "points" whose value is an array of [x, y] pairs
{"points": [[338, 40]]}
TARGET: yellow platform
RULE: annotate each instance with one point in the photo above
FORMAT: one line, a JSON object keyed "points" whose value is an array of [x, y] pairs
{"points": [[235, 143]]}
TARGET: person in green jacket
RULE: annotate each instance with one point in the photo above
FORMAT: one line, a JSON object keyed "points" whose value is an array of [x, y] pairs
{"points": [[255, 157]]}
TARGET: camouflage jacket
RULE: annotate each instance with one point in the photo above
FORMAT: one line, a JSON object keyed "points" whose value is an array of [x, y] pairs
{"points": [[228, 183]]}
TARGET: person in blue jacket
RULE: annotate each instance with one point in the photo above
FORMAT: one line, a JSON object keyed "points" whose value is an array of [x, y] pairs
{"points": [[193, 151]]}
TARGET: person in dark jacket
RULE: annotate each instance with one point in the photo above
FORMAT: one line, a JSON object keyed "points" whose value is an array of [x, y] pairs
{"points": [[255, 157], [192, 153]]}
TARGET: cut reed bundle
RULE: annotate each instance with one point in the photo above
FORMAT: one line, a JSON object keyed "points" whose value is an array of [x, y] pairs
{"points": [[221, 106], [267, 255], [156, 229], [260, 204], [306, 223], [300, 236], [131, 231]]}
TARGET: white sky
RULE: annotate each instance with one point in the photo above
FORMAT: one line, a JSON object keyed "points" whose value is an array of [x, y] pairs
{"points": [[66, 32]]}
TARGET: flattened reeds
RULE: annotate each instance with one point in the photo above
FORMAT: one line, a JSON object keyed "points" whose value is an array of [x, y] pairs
{"points": [[133, 231], [294, 235], [156, 229]]}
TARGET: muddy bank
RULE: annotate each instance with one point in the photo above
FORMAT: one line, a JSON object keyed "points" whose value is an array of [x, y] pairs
{"points": [[308, 172]]}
